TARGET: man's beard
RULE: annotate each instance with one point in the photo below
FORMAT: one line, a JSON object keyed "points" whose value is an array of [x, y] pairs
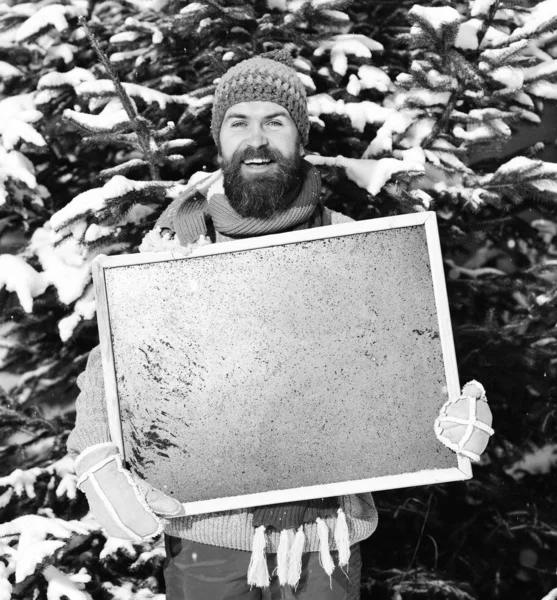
{"points": [[261, 195]]}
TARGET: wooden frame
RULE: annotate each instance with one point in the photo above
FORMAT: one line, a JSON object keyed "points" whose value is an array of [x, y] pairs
{"points": [[461, 468]]}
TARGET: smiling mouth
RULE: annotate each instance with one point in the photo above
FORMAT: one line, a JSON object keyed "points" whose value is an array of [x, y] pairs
{"points": [[258, 162]]}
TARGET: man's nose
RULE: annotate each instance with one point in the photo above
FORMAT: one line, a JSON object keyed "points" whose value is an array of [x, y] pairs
{"points": [[257, 137]]}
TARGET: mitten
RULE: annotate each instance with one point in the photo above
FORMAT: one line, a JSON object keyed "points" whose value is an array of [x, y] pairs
{"points": [[464, 423], [126, 506]]}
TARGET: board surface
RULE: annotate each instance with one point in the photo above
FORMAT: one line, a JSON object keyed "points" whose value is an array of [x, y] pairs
{"points": [[276, 369]]}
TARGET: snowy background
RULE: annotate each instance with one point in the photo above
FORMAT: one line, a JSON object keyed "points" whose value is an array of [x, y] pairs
{"points": [[413, 107]]}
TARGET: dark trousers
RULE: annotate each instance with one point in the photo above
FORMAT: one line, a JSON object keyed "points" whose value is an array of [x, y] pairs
{"points": [[194, 571]]}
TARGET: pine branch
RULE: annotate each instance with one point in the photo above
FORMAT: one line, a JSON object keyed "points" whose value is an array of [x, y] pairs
{"points": [[487, 22], [138, 124], [443, 120]]}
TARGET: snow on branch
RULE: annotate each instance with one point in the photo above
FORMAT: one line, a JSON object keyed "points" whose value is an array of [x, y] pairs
{"points": [[397, 123], [436, 17], [105, 88], [71, 78], [533, 177], [19, 277], [21, 482], [62, 586], [520, 166], [35, 544], [96, 199], [543, 89], [359, 113], [65, 266], [498, 56], [370, 175], [18, 113], [51, 15], [14, 165], [111, 117], [536, 461], [127, 592], [481, 7], [8, 71], [533, 29], [467, 38], [343, 45], [84, 310]]}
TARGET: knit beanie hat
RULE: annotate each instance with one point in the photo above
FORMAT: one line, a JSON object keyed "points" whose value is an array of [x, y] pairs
{"points": [[269, 77]]}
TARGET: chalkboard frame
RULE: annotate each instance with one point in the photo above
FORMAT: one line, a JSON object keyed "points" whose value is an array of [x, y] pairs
{"points": [[462, 466]]}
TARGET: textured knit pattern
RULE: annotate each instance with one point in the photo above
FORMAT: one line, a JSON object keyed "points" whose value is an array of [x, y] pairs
{"points": [[228, 529], [268, 78], [188, 215], [291, 515]]}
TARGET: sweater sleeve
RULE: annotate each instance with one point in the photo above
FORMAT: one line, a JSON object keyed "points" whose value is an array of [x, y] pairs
{"points": [[91, 424], [337, 218]]}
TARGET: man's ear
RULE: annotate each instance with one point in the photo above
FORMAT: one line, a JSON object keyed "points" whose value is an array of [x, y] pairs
{"points": [[302, 149], [219, 160]]}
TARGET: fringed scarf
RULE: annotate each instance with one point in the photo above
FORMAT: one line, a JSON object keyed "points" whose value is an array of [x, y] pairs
{"points": [[194, 215], [289, 519]]}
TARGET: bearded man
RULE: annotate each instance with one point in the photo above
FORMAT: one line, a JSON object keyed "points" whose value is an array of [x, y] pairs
{"points": [[306, 549]]}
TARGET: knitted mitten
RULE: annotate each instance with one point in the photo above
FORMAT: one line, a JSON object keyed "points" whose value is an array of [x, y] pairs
{"points": [[125, 506], [464, 423]]}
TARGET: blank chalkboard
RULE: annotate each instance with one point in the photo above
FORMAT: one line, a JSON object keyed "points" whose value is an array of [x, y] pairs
{"points": [[283, 367]]}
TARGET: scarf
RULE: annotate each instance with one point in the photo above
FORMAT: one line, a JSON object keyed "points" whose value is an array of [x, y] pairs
{"points": [[193, 214]]}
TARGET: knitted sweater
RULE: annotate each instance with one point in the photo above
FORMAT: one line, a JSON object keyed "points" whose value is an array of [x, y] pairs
{"points": [[228, 529]]}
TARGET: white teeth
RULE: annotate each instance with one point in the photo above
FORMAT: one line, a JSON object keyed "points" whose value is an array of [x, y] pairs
{"points": [[257, 161]]}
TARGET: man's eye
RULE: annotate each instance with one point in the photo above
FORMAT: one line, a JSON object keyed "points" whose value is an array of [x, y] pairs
{"points": [[238, 124], [275, 123]]}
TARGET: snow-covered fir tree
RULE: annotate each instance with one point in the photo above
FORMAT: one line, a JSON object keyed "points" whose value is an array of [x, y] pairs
{"points": [[413, 107]]}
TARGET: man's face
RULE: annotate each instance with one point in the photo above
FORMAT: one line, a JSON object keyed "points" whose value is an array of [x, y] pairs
{"points": [[260, 153]]}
